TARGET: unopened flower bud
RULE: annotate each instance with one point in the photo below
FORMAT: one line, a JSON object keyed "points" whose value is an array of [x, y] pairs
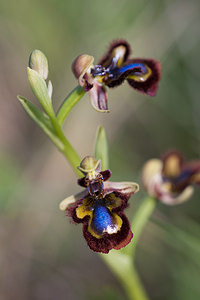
{"points": [[38, 62]]}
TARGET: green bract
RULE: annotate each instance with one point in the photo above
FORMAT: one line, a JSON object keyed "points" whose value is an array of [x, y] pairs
{"points": [[40, 90]]}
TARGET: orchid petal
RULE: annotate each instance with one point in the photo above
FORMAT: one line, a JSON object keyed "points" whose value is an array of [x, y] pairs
{"points": [[195, 178], [98, 97], [145, 82], [81, 66], [150, 169], [172, 163], [193, 170], [71, 199], [117, 53], [169, 199], [127, 188]]}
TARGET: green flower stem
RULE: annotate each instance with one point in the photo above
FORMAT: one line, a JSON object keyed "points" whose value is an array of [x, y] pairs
{"points": [[122, 262], [67, 149], [101, 148], [122, 266], [65, 146], [69, 102]]}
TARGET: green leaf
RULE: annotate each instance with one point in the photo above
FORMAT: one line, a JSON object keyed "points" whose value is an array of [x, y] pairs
{"points": [[41, 119], [101, 148], [40, 90], [69, 102]]}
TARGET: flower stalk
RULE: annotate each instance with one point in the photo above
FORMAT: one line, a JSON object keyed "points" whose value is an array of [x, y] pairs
{"points": [[67, 149], [126, 272], [125, 269], [70, 101]]}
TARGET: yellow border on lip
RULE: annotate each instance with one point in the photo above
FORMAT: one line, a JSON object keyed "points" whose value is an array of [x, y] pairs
{"points": [[141, 78]]}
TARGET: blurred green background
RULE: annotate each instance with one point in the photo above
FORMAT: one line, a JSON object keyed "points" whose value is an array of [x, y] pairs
{"points": [[42, 255]]}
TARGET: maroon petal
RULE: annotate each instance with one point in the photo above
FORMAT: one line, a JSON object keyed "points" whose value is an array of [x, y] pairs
{"points": [[192, 169], [71, 212], [109, 241], [148, 86], [81, 182], [107, 59], [125, 241], [124, 202], [106, 175]]}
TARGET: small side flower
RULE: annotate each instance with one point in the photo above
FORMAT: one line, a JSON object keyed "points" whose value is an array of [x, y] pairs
{"points": [[100, 207], [112, 70], [170, 179]]}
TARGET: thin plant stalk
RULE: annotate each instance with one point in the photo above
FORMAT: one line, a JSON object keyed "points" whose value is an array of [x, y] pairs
{"points": [[123, 268], [67, 150], [70, 101], [122, 263]]}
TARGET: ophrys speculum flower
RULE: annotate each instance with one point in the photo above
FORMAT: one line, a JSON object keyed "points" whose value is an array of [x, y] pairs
{"points": [[115, 67], [100, 207], [170, 179]]}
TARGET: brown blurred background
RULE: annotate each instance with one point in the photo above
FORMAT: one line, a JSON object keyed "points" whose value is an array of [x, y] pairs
{"points": [[42, 255]]}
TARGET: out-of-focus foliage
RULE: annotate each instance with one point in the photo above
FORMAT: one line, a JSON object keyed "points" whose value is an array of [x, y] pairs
{"points": [[42, 255]]}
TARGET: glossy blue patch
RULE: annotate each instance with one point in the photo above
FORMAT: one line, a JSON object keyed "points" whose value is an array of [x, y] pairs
{"points": [[101, 219], [184, 176], [133, 66]]}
